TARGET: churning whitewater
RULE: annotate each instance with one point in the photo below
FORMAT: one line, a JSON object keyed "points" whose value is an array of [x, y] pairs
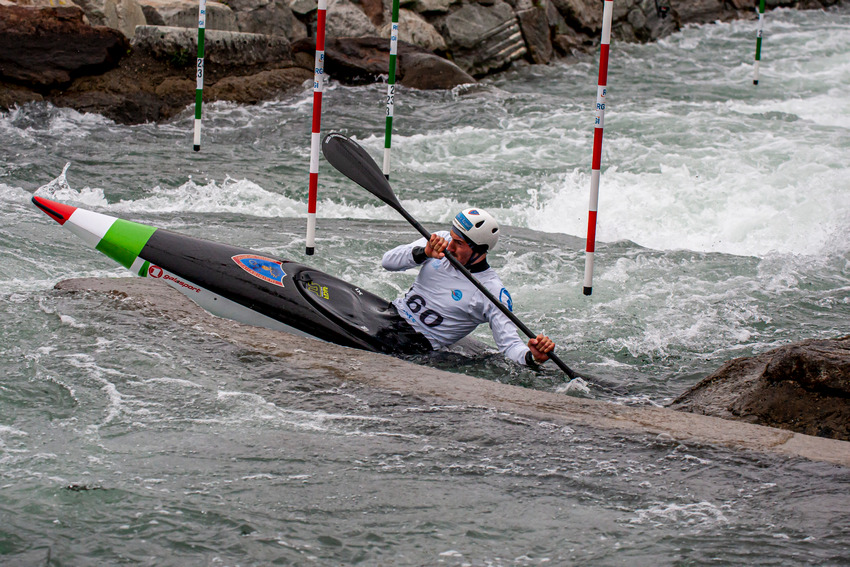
{"points": [[724, 230]]}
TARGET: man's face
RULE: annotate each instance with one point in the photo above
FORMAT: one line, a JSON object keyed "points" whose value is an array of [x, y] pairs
{"points": [[459, 248]]}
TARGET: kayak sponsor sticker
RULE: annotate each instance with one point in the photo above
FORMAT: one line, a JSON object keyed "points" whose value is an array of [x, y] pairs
{"points": [[158, 273], [266, 269], [505, 298], [457, 294], [320, 290]]}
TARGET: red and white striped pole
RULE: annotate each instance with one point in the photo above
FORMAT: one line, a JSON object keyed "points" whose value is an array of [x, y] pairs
{"points": [[315, 140], [601, 91]]}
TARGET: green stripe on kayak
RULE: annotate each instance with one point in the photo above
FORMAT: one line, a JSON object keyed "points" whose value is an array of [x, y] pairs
{"points": [[124, 241], [143, 271]]}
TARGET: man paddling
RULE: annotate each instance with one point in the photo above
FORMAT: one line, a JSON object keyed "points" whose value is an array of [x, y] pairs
{"points": [[443, 305]]}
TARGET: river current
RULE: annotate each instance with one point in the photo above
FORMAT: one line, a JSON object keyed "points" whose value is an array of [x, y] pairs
{"points": [[724, 231]]}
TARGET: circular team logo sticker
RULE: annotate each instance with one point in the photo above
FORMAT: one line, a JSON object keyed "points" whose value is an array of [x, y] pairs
{"points": [[457, 294]]}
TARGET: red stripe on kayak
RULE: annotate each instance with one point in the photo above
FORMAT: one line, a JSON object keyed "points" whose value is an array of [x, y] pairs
{"points": [[57, 211]]}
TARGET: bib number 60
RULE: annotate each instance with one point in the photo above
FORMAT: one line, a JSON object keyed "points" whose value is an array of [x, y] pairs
{"points": [[428, 317]]}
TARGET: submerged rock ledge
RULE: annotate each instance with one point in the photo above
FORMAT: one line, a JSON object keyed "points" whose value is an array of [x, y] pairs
{"points": [[155, 299]]}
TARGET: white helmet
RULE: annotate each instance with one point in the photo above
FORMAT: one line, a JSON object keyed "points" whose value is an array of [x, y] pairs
{"points": [[478, 228]]}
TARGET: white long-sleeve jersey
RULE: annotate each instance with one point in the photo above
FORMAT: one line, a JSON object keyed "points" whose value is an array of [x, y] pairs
{"points": [[444, 306]]}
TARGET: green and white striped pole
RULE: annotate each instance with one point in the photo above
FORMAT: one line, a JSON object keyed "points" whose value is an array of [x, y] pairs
{"points": [[758, 43], [199, 89], [391, 89]]}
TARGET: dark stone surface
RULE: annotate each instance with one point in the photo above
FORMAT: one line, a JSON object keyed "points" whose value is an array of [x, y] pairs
{"points": [[362, 60], [48, 47], [803, 387]]}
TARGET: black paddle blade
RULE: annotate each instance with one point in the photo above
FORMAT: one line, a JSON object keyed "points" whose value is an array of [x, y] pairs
{"points": [[350, 159]]}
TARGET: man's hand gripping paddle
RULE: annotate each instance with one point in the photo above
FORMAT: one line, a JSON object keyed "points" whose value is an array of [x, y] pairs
{"points": [[355, 163]]}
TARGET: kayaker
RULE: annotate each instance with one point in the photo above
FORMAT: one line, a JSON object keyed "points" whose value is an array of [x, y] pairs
{"points": [[443, 305]]}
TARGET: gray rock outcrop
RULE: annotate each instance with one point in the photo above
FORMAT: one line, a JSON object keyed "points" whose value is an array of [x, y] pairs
{"points": [[122, 15], [184, 14], [414, 29], [48, 47], [364, 59], [803, 387], [483, 38], [222, 47], [270, 17], [344, 19]]}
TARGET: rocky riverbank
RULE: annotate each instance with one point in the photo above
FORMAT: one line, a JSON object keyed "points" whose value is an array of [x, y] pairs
{"points": [[134, 60]]}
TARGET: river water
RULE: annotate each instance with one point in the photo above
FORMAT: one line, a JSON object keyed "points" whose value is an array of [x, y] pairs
{"points": [[724, 231]]}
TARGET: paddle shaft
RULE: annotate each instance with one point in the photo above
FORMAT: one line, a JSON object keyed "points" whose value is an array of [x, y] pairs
{"points": [[508, 313]]}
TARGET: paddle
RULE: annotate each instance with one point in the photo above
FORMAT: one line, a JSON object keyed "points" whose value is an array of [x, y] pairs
{"points": [[355, 163]]}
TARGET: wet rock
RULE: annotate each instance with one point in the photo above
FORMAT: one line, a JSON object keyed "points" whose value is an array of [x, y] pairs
{"points": [[184, 14], [803, 387], [47, 47], [648, 20], [584, 15], [344, 19], [303, 7], [413, 28], [262, 86], [366, 59], [702, 11], [378, 12], [483, 38], [534, 24], [427, 71], [270, 17], [180, 46], [433, 6], [122, 15]]}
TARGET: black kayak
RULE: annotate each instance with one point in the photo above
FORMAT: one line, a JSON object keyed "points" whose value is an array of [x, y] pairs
{"points": [[244, 285]]}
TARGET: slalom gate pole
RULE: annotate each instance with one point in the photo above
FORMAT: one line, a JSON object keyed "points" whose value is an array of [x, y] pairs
{"points": [[391, 89], [199, 89], [316, 139], [601, 91], [758, 43]]}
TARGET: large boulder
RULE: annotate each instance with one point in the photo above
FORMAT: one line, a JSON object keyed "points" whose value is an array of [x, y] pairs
{"points": [[122, 15], [364, 60], [642, 21], [259, 87], [344, 19], [483, 38], [426, 71], [584, 15], [701, 11], [804, 387], [184, 14], [270, 17], [429, 7], [230, 49], [48, 47], [414, 29], [534, 23]]}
